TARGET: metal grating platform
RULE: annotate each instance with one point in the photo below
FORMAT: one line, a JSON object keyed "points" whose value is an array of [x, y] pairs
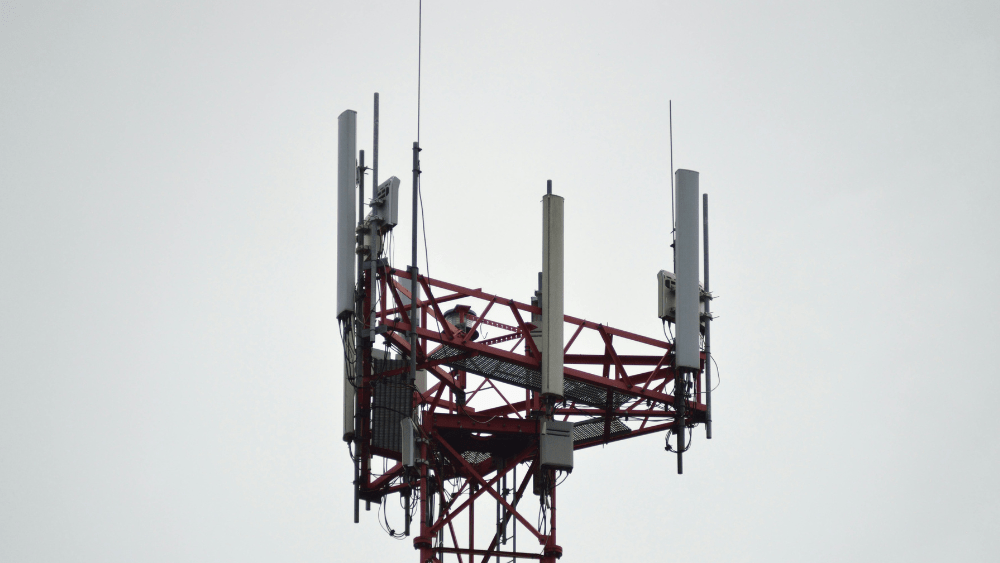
{"points": [[525, 378], [475, 457], [593, 428]]}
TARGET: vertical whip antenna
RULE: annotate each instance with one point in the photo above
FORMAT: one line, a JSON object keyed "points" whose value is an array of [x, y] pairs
{"points": [[673, 214], [670, 111], [708, 323], [420, 42], [375, 149]]}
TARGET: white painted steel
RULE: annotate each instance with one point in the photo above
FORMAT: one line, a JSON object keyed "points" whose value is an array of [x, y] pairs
{"points": [[421, 380], [686, 258], [347, 172], [408, 442], [385, 203], [552, 296], [555, 445], [666, 295]]}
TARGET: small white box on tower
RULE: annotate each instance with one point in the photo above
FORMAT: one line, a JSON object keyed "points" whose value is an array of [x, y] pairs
{"points": [[666, 298], [666, 295], [385, 203]]}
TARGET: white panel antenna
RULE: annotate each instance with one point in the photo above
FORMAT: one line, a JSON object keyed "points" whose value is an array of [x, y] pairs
{"points": [[552, 295], [347, 172], [688, 317]]}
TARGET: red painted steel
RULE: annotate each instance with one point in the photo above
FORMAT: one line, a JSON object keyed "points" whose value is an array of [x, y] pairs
{"points": [[469, 443]]}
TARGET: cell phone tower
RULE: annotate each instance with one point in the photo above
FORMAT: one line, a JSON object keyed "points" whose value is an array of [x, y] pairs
{"points": [[461, 428]]}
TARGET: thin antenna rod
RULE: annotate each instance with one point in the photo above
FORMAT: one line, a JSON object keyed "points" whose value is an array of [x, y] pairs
{"points": [[358, 354], [420, 43], [369, 316], [673, 218], [708, 324], [374, 152], [414, 274], [673, 214], [361, 191], [416, 201], [414, 270]]}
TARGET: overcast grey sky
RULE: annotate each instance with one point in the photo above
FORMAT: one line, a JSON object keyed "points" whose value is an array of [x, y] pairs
{"points": [[169, 357]]}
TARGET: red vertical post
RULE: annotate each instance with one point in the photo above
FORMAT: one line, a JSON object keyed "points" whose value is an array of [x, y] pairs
{"points": [[385, 296], [423, 323]]}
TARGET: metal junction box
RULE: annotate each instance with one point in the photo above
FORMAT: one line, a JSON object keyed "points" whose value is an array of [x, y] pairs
{"points": [[556, 445], [385, 203], [666, 298], [666, 292]]}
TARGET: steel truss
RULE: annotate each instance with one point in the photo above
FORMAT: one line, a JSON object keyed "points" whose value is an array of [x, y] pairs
{"points": [[477, 419]]}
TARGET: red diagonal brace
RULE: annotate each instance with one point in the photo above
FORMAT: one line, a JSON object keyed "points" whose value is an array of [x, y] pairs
{"points": [[517, 498], [573, 339], [448, 328], [619, 368], [388, 476], [487, 488], [528, 340], [652, 374], [479, 321]]}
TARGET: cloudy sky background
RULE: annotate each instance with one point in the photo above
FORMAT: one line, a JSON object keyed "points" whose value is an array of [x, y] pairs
{"points": [[169, 358]]}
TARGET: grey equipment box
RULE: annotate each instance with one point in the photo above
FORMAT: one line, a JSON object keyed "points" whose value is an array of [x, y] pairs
{"points": [[385, 202], [666, 298], [556, 445], [666, 295]]}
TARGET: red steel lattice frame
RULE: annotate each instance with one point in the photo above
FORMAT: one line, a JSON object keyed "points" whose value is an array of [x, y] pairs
{"points": [[634, 387]]}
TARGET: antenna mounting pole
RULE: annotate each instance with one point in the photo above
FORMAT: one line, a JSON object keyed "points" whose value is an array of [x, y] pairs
{"points": [[708, 325]]}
